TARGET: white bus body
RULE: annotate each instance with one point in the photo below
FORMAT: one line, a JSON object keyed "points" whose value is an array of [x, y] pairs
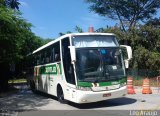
{"points": [[95, 71]]}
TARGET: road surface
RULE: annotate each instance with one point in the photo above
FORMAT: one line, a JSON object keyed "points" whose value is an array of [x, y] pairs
{"points": [[25, 103]]}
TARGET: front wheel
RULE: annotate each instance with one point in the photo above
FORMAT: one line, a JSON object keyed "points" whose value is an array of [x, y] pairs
{"points": [[60, 95]]}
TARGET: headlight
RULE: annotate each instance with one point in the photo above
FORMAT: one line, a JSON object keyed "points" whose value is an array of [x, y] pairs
{"points": [[84, 88]]}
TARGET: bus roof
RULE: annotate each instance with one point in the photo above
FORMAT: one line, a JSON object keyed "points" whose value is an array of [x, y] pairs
{"points": [[68, 35]]}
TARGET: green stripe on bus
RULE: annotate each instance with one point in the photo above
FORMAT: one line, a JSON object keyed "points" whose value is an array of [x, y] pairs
{"points": [[112, 82], [84, 84], [51, 69], [89, 84]]}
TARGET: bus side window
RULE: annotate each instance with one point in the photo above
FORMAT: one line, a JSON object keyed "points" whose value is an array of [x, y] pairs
{"points": [[57, 52], [57, 57], [38, 59], [35, 60], [52, 55], [47, 55], [43, 54]]}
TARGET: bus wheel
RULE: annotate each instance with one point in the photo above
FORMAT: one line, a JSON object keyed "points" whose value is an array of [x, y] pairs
{"points": [[60, 94]]}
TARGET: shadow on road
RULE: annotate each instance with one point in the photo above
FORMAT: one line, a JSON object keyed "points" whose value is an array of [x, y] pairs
{"points": [[23, 100], [107, 103]]}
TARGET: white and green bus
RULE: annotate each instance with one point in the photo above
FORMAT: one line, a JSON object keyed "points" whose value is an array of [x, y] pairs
{"points": [[81, 67]]}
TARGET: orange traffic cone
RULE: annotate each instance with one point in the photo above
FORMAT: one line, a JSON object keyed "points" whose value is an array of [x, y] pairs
{"points": [[130, 88], [146, 87]]}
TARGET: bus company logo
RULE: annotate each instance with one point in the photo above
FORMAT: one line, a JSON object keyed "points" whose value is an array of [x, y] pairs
{"points": [[50, 69], [115, 83]]}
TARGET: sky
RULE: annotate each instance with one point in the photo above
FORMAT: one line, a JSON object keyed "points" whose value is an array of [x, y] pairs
{"points": [[50, 17]]}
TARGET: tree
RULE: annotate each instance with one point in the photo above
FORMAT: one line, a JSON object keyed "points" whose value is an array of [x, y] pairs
{"points": [[154, 22], [8, 48], [79, 29], [146, 59], [61, 34], [45, 41], [14, 4], [128, 12], [145, 42], [16, 41]]}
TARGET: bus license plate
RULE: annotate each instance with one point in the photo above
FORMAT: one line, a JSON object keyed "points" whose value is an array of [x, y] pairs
{"points": [[107, 95]]}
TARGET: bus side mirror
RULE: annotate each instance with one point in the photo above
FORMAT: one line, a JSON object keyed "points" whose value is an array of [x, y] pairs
{"points": [[73, 53], [127, 50]]}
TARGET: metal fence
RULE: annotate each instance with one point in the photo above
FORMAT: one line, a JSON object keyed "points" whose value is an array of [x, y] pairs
{"points": [[140, 74]]}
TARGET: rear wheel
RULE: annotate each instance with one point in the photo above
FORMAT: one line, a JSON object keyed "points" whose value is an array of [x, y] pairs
{"points": [[60, 94]]}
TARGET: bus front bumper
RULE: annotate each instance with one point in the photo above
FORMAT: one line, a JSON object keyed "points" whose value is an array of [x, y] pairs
{"points": [[90, 96]]}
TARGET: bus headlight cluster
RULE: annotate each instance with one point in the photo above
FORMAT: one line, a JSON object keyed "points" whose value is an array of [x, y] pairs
{"points": [[84, 88]]}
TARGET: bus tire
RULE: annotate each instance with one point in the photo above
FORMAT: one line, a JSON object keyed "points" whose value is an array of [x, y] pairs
{"points": [[60, 94]]}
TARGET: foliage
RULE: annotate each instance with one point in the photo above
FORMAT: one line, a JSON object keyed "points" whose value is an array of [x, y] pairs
{"points": [[128, 12], [147, 59], [45, 41], [154, 22], [61, 34], [16, 41], [145, 42], [78, 29], [13, 4]]}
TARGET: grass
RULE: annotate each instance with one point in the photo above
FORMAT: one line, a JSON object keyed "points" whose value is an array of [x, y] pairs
{"points": [[17, 81]]}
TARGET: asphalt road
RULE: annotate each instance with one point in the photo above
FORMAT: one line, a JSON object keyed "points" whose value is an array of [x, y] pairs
{"points": [[26, 103]]}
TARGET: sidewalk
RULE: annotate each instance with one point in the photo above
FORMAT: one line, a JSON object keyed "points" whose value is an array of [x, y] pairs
{"points": [[155, 90]]}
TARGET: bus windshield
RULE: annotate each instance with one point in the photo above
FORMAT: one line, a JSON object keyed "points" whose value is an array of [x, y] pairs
{"points": [[99, 64]]}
